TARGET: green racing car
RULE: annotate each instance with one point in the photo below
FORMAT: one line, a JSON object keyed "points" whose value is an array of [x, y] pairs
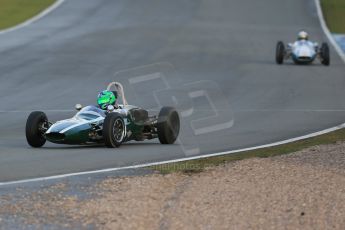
{"points": [[107, 123]]}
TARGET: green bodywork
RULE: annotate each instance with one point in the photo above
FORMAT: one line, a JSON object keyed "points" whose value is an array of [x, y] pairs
{"points": [[79, 131], [76, 135]]}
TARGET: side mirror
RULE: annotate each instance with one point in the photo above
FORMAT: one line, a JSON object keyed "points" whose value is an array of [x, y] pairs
{"points": [[110, 108], [78, 107]]}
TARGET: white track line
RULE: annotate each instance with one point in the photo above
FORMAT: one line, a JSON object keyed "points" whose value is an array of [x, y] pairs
{"points": [[339, 51], [173, 161], [35, 18], [327, 32]]}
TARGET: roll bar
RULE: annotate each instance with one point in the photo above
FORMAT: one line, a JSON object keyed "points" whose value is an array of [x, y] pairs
{"points": [[119, 88]]}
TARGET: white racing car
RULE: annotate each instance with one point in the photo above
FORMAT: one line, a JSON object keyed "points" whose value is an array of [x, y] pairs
{"points": [[303, 51]]}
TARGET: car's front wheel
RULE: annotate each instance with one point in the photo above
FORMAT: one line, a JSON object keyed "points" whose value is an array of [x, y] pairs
{"points": [[36, 125], [280, 52], [324, 53], [114, 130], [168, 125]]}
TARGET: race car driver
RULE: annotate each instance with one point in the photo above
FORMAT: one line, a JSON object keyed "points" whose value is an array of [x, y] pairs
{"points": [[302, 35], [303, 38]]}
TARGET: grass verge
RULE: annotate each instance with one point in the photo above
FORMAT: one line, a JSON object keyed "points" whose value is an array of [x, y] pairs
{"points": [[195, 166], [13, 12], [334, 12]]}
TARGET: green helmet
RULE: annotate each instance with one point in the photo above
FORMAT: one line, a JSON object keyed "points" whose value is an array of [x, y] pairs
{"points": [[106, 98]]}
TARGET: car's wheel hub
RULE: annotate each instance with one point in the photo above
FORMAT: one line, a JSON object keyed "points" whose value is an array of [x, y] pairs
{"points": [[118, 130]]}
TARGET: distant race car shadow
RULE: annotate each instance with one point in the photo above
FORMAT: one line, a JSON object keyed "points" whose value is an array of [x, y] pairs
{"points": [[303, 64]]}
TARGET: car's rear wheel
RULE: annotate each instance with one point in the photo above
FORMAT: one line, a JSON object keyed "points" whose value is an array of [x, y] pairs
{"points": [[168, 125], [114, 130], [324, 53], [36, 126], [280, 52]]}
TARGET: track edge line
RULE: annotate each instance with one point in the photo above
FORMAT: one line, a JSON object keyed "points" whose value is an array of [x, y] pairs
{"points": [[327, 31], [61, 176]]}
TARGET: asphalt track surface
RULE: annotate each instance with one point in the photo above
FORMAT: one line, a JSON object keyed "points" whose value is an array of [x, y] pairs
{"points": [[214, 58]]}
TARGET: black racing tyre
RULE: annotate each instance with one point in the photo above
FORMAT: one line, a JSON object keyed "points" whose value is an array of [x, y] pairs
{"points": [[324, 53], [280, 52], [114, 130], [34, 129], [168, 125]]}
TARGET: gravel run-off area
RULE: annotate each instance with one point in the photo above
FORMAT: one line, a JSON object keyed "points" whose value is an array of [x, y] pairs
{"points": [[303, 190]]}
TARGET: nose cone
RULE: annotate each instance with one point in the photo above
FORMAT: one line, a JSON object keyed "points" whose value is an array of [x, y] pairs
{"points": [[55, 137], [60, 126], [68, 132], [305, 52], [56, 133]]}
